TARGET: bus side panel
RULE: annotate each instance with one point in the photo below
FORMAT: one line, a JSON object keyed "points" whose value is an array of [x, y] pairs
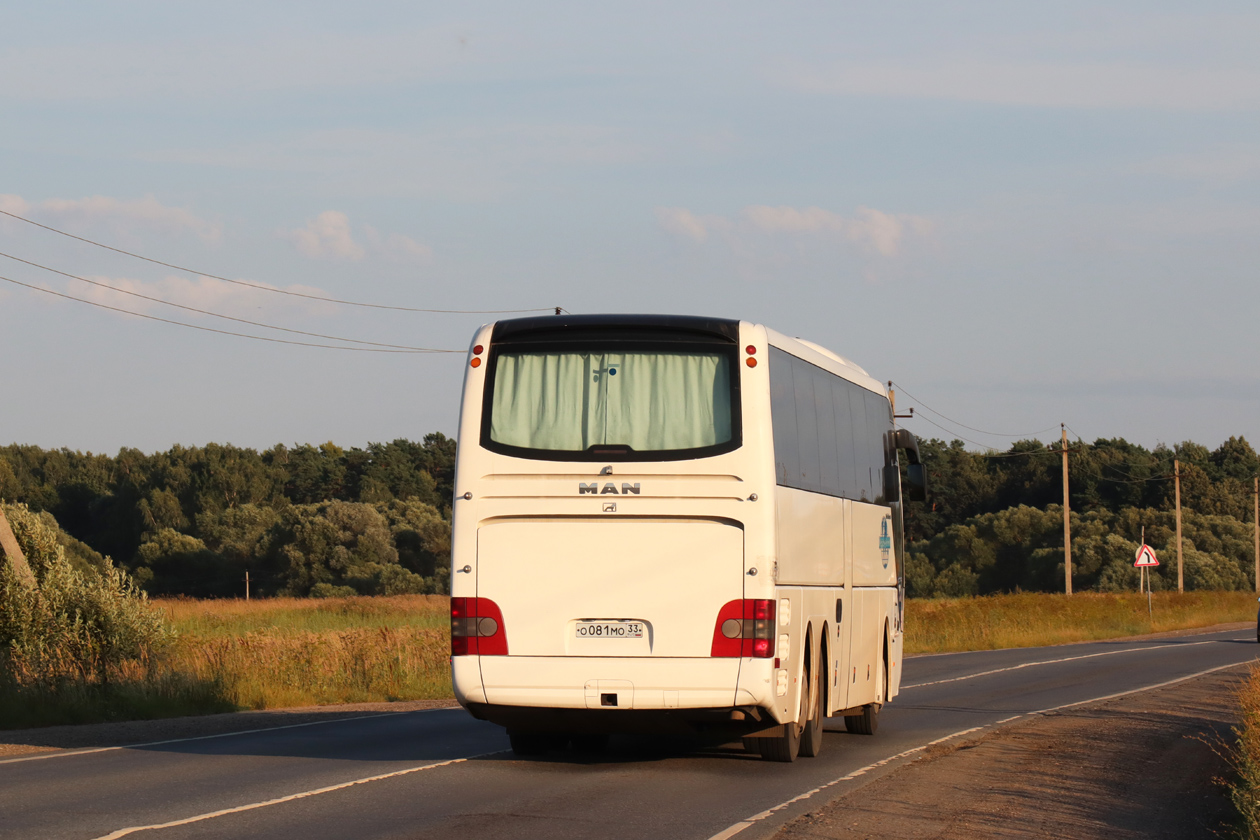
{"points": [[864, 648], [811, 538], [873, 563]]}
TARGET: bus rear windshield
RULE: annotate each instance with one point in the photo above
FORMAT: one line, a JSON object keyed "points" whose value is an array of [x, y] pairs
{"points": [[596, 403]]}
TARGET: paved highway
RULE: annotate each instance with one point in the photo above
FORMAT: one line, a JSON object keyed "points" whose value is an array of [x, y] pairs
{"points": [[441, 774]]}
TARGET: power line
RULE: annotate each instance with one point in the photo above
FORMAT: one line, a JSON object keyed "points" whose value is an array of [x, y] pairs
{"points": [[220, 332], [269, 288], [206, 311], [985, 445], [1028, 436]]}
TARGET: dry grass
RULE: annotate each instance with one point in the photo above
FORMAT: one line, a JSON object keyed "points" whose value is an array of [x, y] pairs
{"points": [[1244, 789], [1034, 619], [298, 652], [284, 652]]}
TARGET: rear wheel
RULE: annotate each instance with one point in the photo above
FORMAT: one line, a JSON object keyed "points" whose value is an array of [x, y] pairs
{"points": [[787, 746], [866, 723], [812, 734]]}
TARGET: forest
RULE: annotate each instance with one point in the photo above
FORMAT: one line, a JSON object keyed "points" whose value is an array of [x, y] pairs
{"points": [[326, 521]]}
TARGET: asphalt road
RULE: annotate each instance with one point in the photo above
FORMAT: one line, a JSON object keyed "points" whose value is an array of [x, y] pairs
{"points": [[439, 773]]}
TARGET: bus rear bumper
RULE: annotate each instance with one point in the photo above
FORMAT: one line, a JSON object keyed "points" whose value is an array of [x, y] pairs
{"points": [[726, 721], [610, 684]]}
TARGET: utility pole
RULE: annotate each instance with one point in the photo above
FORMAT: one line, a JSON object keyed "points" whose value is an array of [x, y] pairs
{"points": [[1177, 495], [1256, 520], [1067, 522], [247, 584]]}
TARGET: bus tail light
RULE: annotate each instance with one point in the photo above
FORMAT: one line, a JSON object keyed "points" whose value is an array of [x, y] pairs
{"points": [[745, 628], [477, 628]]}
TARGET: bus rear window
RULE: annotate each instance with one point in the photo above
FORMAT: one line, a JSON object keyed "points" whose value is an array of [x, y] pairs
{"points": [[571, 403]]}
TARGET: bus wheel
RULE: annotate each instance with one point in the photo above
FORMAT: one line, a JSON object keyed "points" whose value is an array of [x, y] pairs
{"points": [[525, 743], [812, 734], [786, 747], [866, 723]]}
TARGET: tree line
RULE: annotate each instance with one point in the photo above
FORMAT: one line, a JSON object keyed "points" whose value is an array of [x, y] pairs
{"points": [[323, 520], [993, 522], [302, 520]]}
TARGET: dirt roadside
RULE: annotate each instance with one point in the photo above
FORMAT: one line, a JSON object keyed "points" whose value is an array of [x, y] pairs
{"points": [[1141, 766]]}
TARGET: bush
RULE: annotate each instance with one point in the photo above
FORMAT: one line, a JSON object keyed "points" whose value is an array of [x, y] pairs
{"points": [[70, 626]]}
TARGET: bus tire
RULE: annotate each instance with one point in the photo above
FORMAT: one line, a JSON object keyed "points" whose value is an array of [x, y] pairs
{"points": [[812, 733], [528, 744], [786, 747], [866, 723]]}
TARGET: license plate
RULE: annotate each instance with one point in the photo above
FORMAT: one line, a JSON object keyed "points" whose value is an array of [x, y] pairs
{"points": [[609, 629]]}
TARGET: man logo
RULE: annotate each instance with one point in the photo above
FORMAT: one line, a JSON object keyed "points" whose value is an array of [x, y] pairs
{"points": [[609, 488]]}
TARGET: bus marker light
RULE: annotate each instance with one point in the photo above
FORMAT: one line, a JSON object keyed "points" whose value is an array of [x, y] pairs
{"points": [[751, 362], [475, 362], [751, 349], [477, 350]]}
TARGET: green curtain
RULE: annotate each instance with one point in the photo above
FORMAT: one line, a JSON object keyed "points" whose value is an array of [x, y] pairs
{"points": [[647, 401]]}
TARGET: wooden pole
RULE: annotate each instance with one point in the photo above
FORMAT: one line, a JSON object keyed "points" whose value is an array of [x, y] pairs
{"points": [[247, 584], [1067, 522], [1177, 491], [1256, 519], [11, 552]]}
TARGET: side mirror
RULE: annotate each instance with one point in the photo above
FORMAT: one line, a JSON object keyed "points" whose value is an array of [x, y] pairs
{"points": [[916, 483]]}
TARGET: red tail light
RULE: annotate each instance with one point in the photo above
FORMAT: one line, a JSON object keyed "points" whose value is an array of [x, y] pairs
{"points": [[744, 628], [477, 628]]}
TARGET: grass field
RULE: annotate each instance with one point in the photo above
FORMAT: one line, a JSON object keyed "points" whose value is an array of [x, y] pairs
{"points": [[276, 653], [297, 652], [1037, 618]]}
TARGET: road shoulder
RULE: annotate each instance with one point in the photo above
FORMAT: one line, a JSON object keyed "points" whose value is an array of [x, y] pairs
{"points": [[1141, 766]]}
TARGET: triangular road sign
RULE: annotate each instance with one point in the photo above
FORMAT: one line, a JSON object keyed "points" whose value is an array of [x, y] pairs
{"points": [[1145, 557]]}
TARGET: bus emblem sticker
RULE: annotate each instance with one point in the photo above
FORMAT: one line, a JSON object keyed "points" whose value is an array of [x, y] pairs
{"points": [[884, 543]]}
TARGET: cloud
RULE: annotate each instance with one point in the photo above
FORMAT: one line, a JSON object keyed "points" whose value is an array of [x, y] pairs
{"points": [[122, 215], [15, 204], [329, 235], [1093, 85], [682, 222], [869, 228]]}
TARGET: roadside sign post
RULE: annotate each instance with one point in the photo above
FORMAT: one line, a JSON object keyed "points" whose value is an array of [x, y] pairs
{"points": [[1145, 559]]}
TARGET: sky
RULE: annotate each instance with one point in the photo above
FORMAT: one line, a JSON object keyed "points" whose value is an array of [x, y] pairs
{"points": [[1021, 214]]}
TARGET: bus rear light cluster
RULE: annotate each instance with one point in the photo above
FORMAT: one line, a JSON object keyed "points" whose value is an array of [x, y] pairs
{"points": [[477, 628], [745, 627], [476, 360], [751, 350]]}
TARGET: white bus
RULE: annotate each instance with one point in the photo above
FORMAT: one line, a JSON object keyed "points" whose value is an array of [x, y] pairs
{"points": [[670, 523]]}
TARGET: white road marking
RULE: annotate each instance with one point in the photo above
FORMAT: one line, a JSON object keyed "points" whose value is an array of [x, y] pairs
{"points": [[1067, 644], [732, 830], [92, 750], [123, 832], [1065, 659]]}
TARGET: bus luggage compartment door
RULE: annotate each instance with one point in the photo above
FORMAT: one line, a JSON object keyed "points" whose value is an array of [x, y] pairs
{"points": [[643, 587]]}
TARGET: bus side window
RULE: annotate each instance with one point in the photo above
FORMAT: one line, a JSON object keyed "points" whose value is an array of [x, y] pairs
{"points": [[839, 612]]}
